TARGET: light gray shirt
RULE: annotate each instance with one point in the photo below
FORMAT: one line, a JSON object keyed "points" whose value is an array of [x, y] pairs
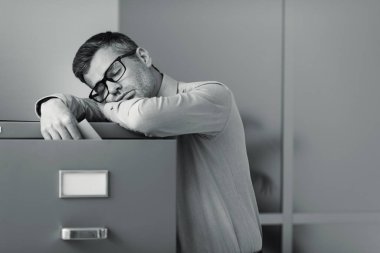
{"points": [[216, 205]]}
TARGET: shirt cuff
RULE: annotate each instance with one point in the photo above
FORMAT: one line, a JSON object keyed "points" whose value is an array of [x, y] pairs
{"points": [[40, 102]]}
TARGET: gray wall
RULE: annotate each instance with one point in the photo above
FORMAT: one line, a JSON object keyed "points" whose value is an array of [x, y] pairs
{"points": [[335, 60], [39, 39]]}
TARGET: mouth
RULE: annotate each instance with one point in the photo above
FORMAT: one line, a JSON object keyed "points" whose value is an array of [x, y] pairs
{"points": [[128, 95]]}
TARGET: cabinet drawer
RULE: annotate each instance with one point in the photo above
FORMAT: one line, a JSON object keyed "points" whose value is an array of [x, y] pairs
{"points": [[139, 212]]}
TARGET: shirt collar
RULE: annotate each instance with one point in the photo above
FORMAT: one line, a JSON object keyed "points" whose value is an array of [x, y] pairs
{"points": [[169, 87]]}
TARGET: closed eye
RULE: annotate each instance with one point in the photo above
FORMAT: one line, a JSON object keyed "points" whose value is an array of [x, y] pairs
{"points": [[115, 71]]}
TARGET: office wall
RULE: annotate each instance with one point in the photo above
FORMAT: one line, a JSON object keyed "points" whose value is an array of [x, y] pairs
{"points": [[335, 59], [39, 39]]}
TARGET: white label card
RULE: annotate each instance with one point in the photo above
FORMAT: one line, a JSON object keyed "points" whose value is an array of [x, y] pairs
{"points": [[83, 183]]}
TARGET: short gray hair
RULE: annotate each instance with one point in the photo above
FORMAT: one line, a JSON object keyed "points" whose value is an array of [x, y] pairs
{"points": [[86, 52]]}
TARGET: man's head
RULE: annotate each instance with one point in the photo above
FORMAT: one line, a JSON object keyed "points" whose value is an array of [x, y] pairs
{"points": [[131, 75]]}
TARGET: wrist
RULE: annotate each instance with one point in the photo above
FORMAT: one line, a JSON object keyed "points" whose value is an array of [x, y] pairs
{"points": [[51, 102]]}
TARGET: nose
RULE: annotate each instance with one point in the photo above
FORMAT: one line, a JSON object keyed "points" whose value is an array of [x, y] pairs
{"points": [[113, 88]]}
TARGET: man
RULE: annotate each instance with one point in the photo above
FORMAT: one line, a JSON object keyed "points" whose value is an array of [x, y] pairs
{"points": [[216, 205]]}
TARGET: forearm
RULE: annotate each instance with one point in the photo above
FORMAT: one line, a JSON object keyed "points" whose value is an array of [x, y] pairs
{"points": [[187, 113], [80, 107], [92, 112]]}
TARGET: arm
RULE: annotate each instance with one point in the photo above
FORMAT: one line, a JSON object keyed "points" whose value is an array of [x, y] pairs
{"points": [[203, 110], [59, 114], [80, 107]]}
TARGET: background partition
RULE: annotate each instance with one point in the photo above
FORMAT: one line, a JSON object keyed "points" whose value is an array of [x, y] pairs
{"points": [[336, 84], [334, 56]]}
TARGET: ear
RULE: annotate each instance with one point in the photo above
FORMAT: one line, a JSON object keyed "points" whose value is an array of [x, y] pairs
{"points": [[144, 56]]}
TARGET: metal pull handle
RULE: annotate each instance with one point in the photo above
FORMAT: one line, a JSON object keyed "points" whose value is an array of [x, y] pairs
{"points": [[84, 233]]}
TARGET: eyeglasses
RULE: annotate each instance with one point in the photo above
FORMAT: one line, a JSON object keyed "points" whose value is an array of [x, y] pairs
{"points": [[113, 74]]}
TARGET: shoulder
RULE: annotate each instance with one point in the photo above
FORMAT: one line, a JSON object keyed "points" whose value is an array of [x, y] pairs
{"points": [[213, 87], [213, 92]]}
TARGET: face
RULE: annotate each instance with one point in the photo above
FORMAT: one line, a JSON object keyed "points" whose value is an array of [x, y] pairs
{"points": [[137, 81]]}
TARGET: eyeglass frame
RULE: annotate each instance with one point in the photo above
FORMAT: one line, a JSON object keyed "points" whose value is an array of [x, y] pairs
{"points": [[105, 78]]}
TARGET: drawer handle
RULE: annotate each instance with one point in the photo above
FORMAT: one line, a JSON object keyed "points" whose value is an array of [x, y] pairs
{"points": [[84, 233]]}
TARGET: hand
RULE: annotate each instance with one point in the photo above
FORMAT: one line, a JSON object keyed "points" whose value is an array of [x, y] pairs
{"points": [[57, 121]]}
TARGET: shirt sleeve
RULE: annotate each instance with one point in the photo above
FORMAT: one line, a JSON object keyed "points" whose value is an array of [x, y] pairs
{"points": [[204, 110], [80, 107]]}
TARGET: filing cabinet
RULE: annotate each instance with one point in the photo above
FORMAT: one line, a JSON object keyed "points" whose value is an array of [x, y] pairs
{"points": [[136, 215]]}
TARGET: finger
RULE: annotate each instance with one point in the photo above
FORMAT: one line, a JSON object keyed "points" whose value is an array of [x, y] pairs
{"points": [[54, 134], [64, 133], [74, 130], [46, 135]]}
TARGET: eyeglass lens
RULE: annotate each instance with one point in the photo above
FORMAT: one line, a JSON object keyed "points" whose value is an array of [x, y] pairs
{"points": [[115, 72], [100, 92]]}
